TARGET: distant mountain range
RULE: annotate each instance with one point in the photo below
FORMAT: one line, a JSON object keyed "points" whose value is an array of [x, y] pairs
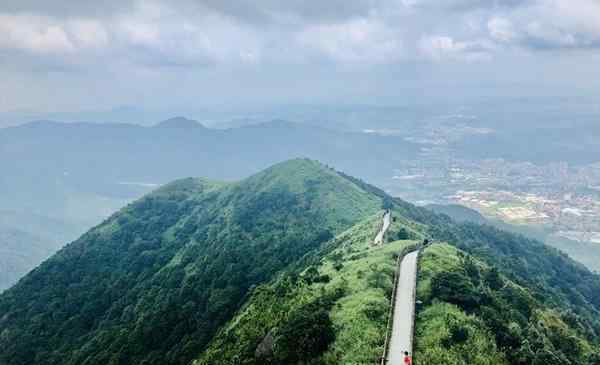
{"points": [[27, 239], [79, 173], [459, 213], [106, 154], [279, 268]]}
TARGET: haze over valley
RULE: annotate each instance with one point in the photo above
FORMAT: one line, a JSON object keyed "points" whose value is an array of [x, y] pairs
{"points": [[90, 170]]}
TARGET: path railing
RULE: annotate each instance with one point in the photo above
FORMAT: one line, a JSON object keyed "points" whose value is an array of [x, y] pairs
{"points": [[414, 294]]}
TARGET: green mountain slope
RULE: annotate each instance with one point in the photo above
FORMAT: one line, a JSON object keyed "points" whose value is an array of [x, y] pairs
{"points": [[154, 282], [458, 212], [80, 173], [472, 314], [279, 269], [348, 283]]}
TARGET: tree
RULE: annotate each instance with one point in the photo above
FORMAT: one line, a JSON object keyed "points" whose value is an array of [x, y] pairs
{"points": [[456, 288], [402, 234], [306, 335], [493, 279], [594, 358]]}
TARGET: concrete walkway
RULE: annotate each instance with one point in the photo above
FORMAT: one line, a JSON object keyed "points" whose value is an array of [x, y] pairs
{"points": [[402, 326], [387, 220]]}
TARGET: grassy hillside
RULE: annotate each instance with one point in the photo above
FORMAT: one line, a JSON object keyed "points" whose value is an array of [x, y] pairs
{"points": [[553, 278], [81, 173], [154, 282], [473, 314], [347, 284], [279, 269]]}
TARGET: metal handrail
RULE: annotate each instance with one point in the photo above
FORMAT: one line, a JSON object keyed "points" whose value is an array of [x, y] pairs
{"points": [[414, 318]]}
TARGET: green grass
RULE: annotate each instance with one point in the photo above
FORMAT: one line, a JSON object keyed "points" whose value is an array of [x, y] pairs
{"points": [[434, 328], [343, 200], [434, 322], [359, 316], [448, 334], [156, 281], [436, 258], [416, 231], [280, 265]]}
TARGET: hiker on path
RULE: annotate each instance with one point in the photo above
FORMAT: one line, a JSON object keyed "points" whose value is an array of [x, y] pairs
{"points": [[407, 358]]}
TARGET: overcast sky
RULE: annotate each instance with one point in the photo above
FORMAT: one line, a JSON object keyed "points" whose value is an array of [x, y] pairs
{"points": [[73, 55]]}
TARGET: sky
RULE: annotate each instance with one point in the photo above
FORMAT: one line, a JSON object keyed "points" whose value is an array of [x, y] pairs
{"points": [[59, 55]]}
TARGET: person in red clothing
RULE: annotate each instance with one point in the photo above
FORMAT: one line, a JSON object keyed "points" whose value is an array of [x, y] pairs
{"points": [[407, 358]]}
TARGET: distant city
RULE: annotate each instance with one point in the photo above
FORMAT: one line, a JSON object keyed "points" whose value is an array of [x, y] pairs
{"points": [[563, 198]]}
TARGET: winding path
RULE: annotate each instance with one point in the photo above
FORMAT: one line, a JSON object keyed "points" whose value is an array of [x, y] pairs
{"points": [[387, 220], [404, 308]]}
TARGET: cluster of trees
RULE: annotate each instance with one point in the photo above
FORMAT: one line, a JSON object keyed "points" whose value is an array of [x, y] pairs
{"points": [[524, 329], [313, 312], [303, 337], [552, 277], [154, 283]]}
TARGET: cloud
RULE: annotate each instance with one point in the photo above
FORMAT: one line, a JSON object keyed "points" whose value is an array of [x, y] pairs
{"points": [[160, 35], [361, 41], [160, 50], [550, 24], [33, 33], [441, 48], [47, 36], [86, 33], [148, 34], [465, 5], [193, 36], [501, 29], [291, 12], [369, 33], [67, 8]]}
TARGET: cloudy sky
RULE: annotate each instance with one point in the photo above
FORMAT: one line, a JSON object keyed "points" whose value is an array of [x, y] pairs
{"points": [[73, 55]]}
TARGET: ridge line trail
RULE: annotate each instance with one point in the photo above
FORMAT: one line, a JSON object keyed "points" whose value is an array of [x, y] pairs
{"points": [[386, 224], [404, 308]]}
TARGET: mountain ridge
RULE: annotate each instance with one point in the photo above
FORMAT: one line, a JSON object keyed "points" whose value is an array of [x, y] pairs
{"points": [[90, 170], [166, 236], [159, 281]]}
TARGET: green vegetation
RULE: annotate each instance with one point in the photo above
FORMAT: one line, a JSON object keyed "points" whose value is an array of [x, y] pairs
{"points": [[280, 269], [552, 277], [153, 283], [447, 335], [348, 281], [458, 212], [475, 315]]}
